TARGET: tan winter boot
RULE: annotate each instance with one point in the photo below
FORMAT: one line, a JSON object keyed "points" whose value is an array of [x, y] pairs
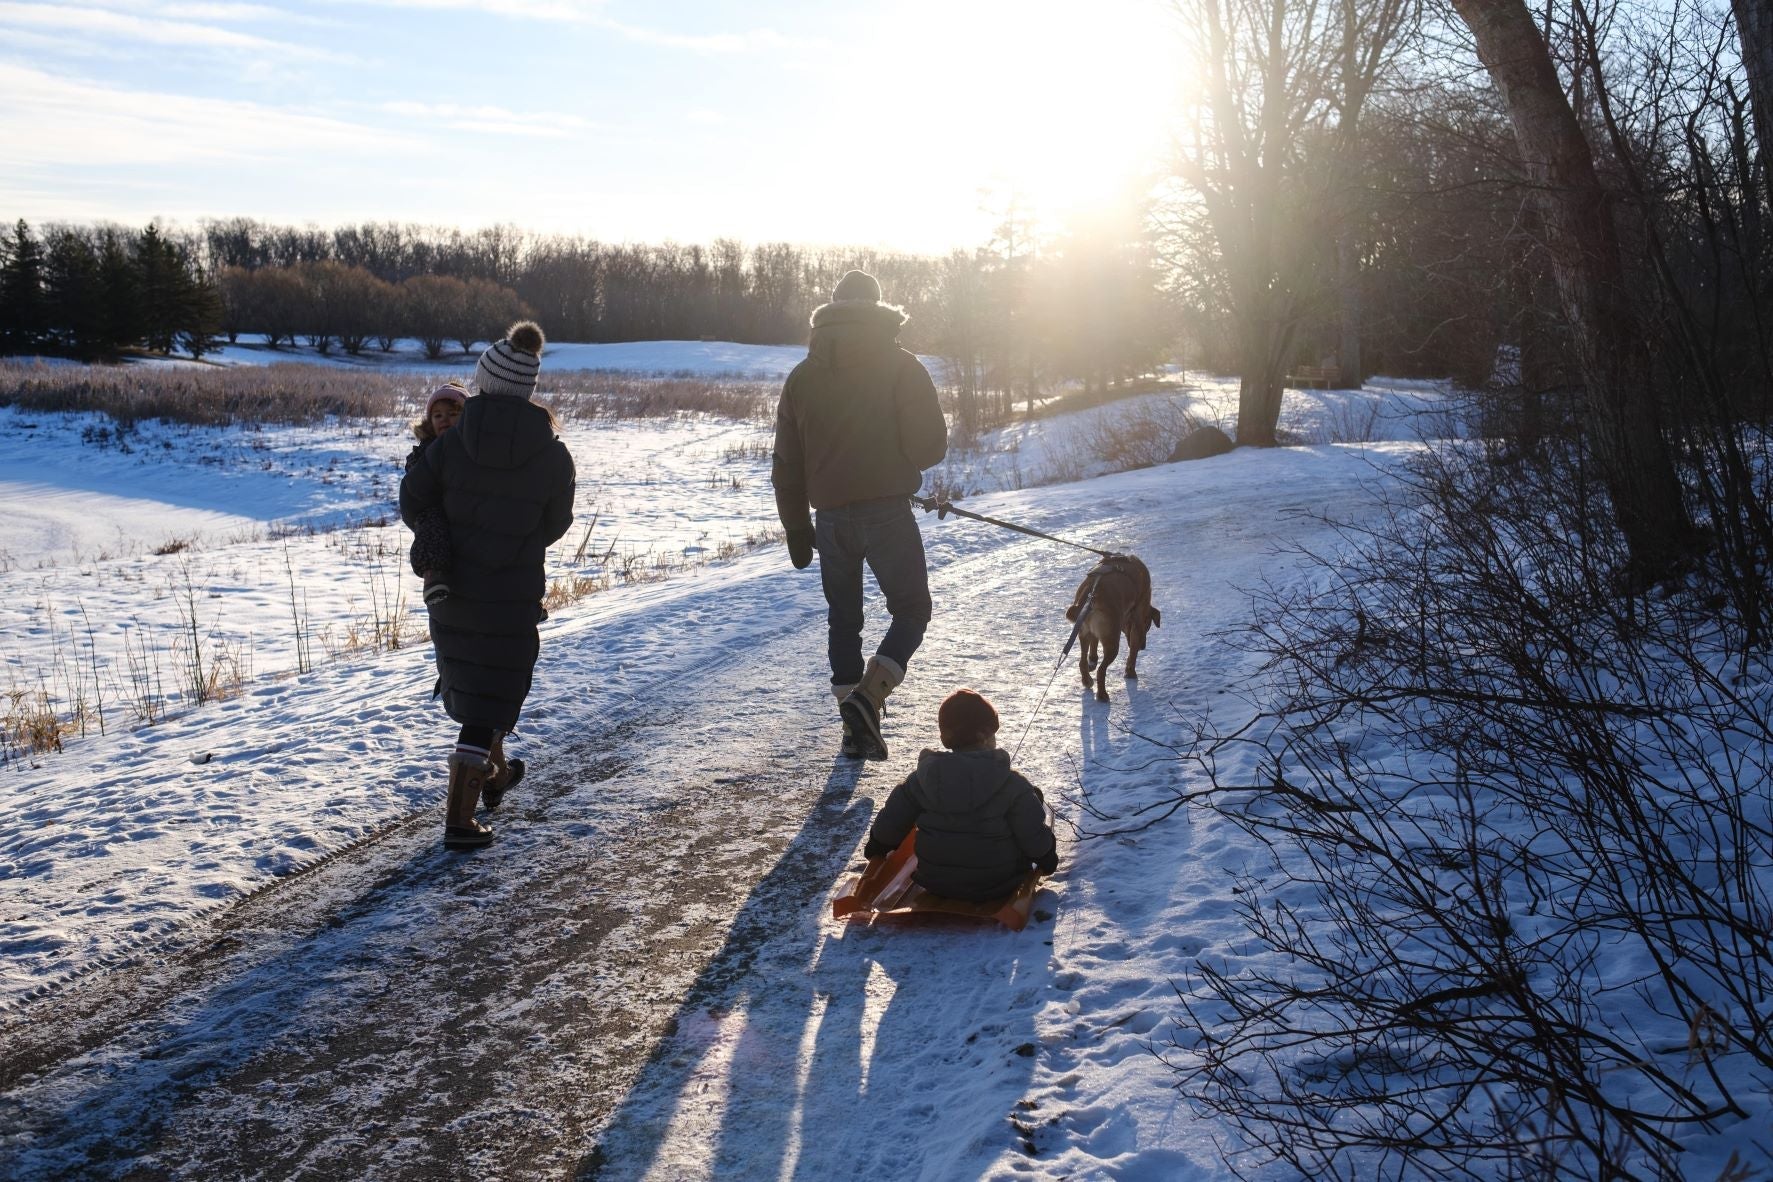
{"points": [[850, 748], [863, 707], [504, 775], [467, 778]]}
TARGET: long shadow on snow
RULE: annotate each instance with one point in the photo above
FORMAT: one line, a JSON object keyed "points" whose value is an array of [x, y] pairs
{"points": [[124, 1120], [765, 1071]]}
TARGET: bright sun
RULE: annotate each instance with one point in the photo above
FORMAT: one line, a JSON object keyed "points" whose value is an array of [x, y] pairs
{"points": [[1056, 104]]}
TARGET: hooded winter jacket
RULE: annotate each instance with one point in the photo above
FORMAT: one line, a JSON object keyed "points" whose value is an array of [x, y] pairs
{"points": [[981, 826], [858, 420], [505, 484], [430, 532]]}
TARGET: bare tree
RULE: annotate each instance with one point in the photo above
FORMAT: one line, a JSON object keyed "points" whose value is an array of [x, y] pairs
{"points": [[1754, 25], [1637, 465], [1371, 36], [432, 306], [1285, 82]]}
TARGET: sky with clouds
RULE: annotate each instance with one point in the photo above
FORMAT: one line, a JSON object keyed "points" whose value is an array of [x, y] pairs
{"points": [[898, 123]]}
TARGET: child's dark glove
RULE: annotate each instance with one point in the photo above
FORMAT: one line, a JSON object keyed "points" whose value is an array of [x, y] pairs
{"points": [[800, 546], [436, 591]]}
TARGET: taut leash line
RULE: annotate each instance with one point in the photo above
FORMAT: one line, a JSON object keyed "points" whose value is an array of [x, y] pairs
{"points": [[1082, 615], [942, 508]]}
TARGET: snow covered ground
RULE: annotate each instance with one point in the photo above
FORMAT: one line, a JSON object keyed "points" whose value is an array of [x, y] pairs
{"points": [[230, 945]]}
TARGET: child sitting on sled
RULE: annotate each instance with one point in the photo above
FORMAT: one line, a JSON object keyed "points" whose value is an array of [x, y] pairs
{"points": [[981, 826]]}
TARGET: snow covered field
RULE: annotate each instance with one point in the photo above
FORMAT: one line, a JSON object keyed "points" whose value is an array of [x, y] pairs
{"points": [[230, 945]]}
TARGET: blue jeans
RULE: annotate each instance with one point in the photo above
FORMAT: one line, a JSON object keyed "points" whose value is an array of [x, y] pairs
{"points": [[883, 533]]}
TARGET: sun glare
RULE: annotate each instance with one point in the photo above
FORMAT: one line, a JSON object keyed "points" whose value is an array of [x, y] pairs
{"points": [[1058, 105]]}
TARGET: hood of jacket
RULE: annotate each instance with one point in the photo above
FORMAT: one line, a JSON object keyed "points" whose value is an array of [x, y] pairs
{"points": [[962, 780], [499, 431], [854, 333]]}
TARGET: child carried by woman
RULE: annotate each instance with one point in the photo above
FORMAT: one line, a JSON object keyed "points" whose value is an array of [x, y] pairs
{"points": [[430, 532]]}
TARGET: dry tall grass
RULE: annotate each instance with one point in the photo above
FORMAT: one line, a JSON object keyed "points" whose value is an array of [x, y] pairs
{"points": [[298, 393], [188, 660]]}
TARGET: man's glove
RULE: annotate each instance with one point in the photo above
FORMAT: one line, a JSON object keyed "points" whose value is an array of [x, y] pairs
{"points": [[800, 546]]}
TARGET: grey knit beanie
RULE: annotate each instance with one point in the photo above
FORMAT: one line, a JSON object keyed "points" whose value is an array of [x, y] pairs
{"points": [[857, 287], [510, 366]]}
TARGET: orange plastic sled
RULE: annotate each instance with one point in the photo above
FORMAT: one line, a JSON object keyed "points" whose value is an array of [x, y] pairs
{"points": [[885, 891]]}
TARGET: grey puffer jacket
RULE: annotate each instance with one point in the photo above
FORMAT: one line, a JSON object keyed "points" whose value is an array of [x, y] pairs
{"points": [[505, 484], [981, 826], [858, 420]]}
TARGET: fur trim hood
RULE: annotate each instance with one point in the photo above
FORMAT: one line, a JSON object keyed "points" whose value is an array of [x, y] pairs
{"points": [[850, 332], [860, 313]]}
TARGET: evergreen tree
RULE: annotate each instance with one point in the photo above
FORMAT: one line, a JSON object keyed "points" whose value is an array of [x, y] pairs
{"points": [[72, 289], [202, 313], [120, 312], [23, 309], [163, 289]]}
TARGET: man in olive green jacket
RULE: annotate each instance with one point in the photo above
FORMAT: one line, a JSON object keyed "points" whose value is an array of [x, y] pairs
{"points": [[857, 424]]}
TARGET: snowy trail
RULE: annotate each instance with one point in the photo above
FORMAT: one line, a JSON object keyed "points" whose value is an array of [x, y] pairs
{"points": [[836, 1052], [639, 979]]}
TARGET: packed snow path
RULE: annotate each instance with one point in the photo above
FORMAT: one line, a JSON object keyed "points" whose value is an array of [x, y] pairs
{"points": [[640, 979]]}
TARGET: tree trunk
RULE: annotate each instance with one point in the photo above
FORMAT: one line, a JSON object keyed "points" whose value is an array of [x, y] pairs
{"points": [[1350, 373], [1636, 463], [1754, 27], [1264, 340]]}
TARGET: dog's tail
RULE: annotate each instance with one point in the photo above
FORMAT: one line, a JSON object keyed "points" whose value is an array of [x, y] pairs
{"points": [[1071, 612], [1157, 618]]}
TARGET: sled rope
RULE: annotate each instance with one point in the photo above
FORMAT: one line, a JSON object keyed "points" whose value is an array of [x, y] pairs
{"points": [[942, 508], [1082, 615]]}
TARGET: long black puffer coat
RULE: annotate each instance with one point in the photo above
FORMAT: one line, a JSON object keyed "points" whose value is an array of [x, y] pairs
{"points": [[981, 826], [505, 483]]}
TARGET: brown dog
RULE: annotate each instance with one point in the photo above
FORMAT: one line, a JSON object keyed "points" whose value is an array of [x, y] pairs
{"points": [[1118, 593]]}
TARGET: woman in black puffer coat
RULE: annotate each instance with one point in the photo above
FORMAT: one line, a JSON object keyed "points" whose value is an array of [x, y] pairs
{"points": [[504, 481]]}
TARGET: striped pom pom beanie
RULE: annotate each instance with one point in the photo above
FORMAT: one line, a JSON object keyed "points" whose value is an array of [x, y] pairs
{"points": [[510, 366]]}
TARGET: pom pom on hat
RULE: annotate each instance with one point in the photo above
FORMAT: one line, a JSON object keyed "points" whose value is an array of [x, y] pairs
{"points": [[526, 335], [858, 287], [510, 366], [966, 717]]}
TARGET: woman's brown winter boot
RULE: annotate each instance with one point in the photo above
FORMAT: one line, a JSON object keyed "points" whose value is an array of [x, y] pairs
{"points": [[504, 775], [467, 779]]}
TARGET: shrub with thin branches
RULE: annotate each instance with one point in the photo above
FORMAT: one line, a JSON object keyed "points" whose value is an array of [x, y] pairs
{"points": [[1503, 802], [1139, 434]]}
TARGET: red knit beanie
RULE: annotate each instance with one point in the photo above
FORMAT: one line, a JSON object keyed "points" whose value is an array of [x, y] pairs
{"points": [[966, 718]]}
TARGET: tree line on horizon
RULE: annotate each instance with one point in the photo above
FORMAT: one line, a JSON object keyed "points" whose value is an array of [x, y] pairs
{"points": [[1014, 318]]}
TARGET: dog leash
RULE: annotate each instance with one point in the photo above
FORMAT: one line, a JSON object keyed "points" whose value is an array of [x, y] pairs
{"points": [[942, 508], [1082, 615]]}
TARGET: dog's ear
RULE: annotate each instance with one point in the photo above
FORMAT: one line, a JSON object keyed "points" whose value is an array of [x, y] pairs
{"points": [[1157, 618], [1071, 612]]}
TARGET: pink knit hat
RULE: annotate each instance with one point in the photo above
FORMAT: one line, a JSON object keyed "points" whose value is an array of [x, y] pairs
{"points": [[448, 392]]}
